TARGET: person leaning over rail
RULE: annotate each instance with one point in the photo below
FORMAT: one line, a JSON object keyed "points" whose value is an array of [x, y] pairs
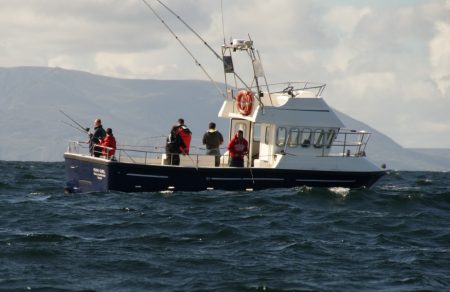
{"points": [[213, 139], [238, 148], [109, 144], [96, 137]]}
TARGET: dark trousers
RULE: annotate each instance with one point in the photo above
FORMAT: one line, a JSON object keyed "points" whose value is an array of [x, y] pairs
{"points": [[216, 152], [237, 162], [172, 159], [96, 151]]}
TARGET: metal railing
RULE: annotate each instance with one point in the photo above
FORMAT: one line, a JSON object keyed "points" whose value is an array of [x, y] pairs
{"points": [[346, 143], [147, 157], [349, 143], [293, 88], [343, 143]]}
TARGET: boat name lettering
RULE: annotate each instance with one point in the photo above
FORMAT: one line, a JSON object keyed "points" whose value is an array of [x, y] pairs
{"points": [[99, 173]]}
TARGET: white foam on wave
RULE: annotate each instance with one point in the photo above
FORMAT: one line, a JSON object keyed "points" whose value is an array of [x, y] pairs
{"points": [[343, 192]]}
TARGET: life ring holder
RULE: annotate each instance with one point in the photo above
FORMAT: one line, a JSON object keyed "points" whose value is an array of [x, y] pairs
{"points": [[244, 100]]}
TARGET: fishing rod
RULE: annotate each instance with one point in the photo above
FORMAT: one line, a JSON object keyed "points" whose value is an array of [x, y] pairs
{"points": [[184, 46], [204, 42], [192, 160], [85, 130], [198, 36], [250, 168], [191, 29], [76, 128]]}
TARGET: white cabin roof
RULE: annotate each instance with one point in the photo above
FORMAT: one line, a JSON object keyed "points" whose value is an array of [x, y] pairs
{"points": [[300, 111]]}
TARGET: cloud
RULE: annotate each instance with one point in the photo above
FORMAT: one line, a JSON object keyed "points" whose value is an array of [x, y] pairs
{"points": [[369, 84], [440, 57], [381, 59], [143, 64]]}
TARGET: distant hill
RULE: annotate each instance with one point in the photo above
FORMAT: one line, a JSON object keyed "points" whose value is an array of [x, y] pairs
{"points": [[139, 111], [381, 149]]}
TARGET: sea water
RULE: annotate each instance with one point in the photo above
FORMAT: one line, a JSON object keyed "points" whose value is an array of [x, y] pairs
{"points": [[395, 236]]}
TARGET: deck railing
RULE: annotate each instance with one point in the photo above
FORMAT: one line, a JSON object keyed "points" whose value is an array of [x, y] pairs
{"points": [[147, 157], [346, 143], [293, 88], [349, 143]]}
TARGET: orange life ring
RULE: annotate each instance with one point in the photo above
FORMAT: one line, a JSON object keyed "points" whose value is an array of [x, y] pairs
{"points": [[244, 100]]}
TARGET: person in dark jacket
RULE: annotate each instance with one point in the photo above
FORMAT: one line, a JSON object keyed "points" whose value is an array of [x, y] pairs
{"points": [[213, 139], [96, 137], [174, 144]]}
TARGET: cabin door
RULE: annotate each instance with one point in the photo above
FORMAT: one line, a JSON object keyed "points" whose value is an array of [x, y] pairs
{"points": [[243, 125], [246, 127]]}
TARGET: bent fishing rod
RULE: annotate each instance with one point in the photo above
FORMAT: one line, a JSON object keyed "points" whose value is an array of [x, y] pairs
{"points": [[76, 128], [81, 128]]}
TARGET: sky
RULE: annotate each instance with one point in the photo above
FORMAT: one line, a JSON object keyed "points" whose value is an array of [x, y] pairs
{"points": [[385, 63]]}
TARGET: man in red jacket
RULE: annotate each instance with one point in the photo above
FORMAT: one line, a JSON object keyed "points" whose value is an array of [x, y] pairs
{"points": [[238, 148]]}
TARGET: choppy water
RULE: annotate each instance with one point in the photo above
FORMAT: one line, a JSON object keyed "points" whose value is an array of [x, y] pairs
{"points": [[395, 236]]}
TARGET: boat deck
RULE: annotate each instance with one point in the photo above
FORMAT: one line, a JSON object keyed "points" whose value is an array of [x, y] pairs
{"points": [[146, 157]]}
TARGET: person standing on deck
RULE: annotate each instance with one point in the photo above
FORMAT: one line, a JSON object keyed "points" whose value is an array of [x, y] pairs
{"points": [[238, 148], [96, 137], [110, 142], [185, 135], [174, 144], [213, 139]]}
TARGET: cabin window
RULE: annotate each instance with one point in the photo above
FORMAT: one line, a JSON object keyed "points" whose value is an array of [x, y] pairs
{"points": [[267, 135], [281, 136], [256, 132], [331, 135], [240, 126], [293, 137], [305, 137], [318, 138]]}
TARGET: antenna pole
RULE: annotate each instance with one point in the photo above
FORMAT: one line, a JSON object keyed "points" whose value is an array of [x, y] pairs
{"points": [[223, 23]]}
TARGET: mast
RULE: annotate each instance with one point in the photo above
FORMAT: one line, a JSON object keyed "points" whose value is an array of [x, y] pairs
{"points": [[258, 72]]}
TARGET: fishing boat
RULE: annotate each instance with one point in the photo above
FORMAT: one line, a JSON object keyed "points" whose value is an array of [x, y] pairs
{"points": [[295, 139]]}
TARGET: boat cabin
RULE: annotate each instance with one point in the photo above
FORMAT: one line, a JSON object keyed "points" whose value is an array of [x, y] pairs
{"points": [[282, 119]]}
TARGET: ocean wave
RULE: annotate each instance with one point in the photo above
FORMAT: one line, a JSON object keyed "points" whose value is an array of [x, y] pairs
{"points": [[393, 236]]}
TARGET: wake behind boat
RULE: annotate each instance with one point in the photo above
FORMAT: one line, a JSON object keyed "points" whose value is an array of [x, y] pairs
{"points": [[294, 139]]}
